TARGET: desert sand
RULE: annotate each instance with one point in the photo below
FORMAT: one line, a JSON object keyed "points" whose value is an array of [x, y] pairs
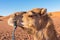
{"points": [[20, 34], [6, 31]]}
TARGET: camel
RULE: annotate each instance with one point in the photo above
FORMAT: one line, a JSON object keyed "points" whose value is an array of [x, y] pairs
{"points": [[38, 23]]}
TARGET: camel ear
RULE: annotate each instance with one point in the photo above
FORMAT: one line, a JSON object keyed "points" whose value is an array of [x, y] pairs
{"points": [[43, 11], [36, 10], [40, 11]]}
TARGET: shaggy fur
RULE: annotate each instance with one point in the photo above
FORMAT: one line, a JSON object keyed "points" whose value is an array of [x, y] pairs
{"points": [[37, 23]]}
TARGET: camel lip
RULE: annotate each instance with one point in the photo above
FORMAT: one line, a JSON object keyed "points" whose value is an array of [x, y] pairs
{"points": [[23, 23]]}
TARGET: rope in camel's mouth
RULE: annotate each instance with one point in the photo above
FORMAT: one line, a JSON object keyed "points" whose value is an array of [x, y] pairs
{"points": [[13, 33]]}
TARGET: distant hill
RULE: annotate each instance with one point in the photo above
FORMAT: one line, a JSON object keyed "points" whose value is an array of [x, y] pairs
{"points": [[1, 16], [54, 14]]}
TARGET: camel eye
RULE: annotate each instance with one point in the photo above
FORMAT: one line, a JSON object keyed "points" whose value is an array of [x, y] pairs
{"points": [[30, 15], [35, 15]]}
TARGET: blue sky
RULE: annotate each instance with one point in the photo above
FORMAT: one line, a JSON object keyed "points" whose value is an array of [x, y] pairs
{"points": [[10, 6]]}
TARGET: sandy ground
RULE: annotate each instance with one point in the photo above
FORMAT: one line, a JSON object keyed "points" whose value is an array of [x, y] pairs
{"points": [[6, 32], [20, 34]]}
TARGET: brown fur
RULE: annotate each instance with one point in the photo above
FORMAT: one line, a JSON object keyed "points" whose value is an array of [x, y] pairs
{"points": [[16, 16], [40, 25], [37, 23]]}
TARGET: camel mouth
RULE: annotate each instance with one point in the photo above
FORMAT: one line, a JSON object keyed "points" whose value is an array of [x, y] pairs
{"points": [[24, 24]]}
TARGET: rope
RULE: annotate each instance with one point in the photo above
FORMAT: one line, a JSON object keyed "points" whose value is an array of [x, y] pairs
{"points": [[13, 33]]}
